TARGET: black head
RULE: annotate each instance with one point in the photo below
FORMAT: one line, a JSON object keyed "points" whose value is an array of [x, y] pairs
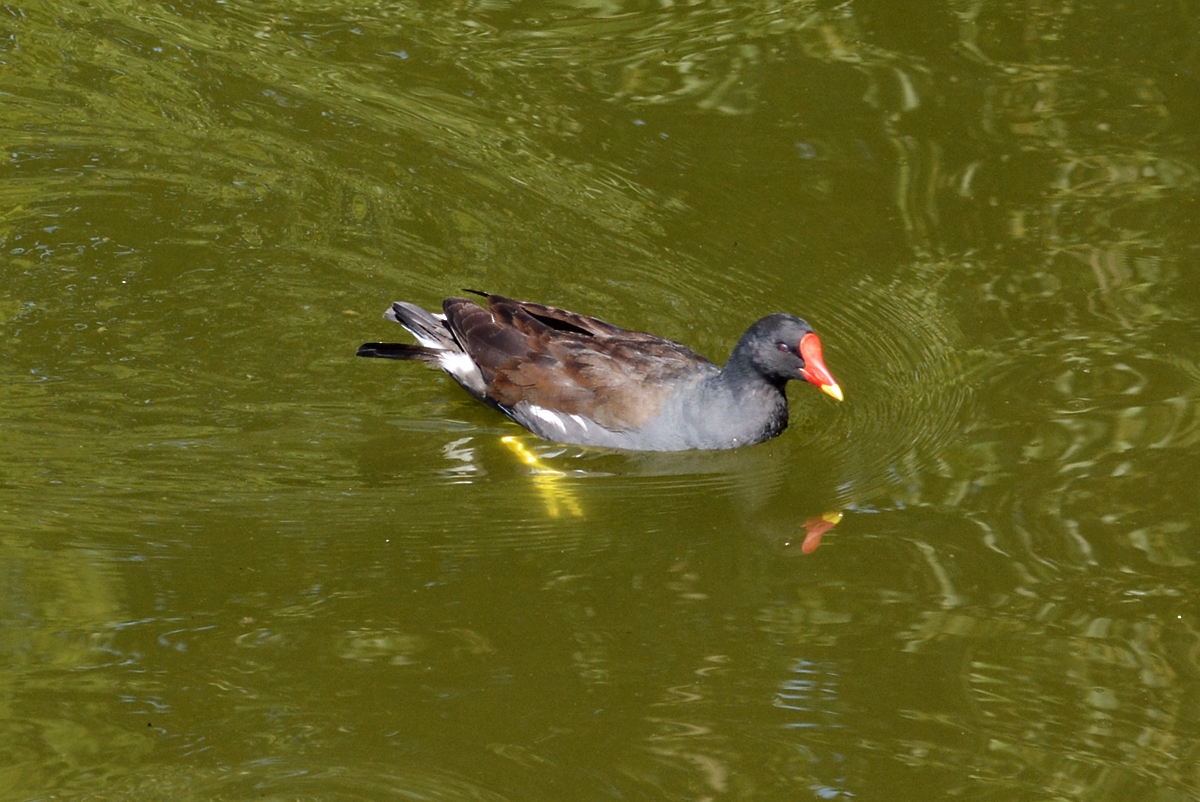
{"points": [[782, 347]]}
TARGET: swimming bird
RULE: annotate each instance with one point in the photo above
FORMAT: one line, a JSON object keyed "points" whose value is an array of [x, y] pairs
{"points": [[572, 378]]}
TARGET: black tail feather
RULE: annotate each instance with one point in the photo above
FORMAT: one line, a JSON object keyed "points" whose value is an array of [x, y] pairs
{"points": [[399, 351]]}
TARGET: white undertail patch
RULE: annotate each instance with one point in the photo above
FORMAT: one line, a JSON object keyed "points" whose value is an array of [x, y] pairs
{"points": [[461, 367], [430, 342]]}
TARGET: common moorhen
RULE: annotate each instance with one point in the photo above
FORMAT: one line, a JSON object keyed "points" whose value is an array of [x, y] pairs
{"points": [[575, 379]]}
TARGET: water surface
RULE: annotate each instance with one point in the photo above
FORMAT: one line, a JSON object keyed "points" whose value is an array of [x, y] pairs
{"points": [[242, 564]]}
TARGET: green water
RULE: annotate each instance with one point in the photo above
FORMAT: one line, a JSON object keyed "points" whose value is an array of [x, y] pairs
{"points": [[239, 563]]}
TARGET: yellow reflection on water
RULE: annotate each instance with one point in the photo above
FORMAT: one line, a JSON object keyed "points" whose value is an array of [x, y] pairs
{"points": [[547, 480]]}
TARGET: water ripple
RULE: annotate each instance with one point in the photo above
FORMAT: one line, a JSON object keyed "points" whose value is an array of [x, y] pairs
{"points": [[898, 356]]}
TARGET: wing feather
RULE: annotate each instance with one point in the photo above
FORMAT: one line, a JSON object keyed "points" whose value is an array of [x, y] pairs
{"points": [[570, 363]]}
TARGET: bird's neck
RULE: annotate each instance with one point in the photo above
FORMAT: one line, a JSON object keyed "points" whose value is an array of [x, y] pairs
{"points": [[739, 372], [755, 407]]}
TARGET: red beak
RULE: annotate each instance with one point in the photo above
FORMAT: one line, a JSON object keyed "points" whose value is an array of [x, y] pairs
{"points": [[814, 366]]}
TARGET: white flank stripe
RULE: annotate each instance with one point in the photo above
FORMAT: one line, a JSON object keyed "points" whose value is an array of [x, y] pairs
{"points": [[548, 417], [581, 421]]}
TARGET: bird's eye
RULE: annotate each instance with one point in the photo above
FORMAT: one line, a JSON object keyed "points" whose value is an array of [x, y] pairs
{"points": [[784, 347]]}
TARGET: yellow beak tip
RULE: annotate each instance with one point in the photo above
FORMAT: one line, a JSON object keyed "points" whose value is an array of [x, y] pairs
{"points": [[833, 390]]}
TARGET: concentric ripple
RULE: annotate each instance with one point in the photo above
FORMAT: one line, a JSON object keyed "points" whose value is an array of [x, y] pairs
{"points": [[896, 352]]}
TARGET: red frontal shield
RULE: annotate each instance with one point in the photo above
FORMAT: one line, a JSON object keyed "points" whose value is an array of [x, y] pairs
{"points": [[814, 366]]}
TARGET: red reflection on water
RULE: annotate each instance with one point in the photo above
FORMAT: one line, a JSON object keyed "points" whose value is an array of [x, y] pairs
{"points": [[815, 527]]}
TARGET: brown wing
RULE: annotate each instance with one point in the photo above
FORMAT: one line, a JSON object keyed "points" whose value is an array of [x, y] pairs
{"points": [[570, 363]]}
